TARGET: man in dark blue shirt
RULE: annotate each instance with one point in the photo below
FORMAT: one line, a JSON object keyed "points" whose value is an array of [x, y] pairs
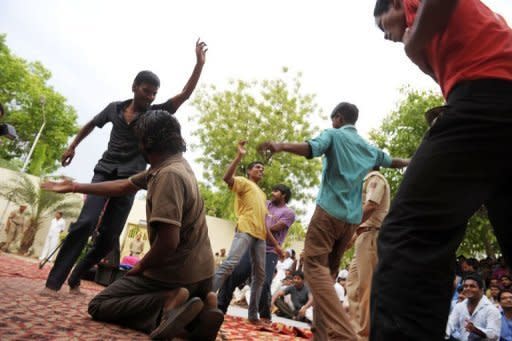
{"points": [[122, 159]]}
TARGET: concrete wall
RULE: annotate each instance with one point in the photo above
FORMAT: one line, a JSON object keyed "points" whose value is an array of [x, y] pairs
{"points": [[6, 207], [220, 231]]}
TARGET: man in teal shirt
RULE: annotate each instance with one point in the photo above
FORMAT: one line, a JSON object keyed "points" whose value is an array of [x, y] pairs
{"points": [[348, 158]]}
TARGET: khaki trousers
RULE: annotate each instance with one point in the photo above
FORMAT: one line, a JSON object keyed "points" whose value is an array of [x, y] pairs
{"points": [[326, 240], [359, 282], [11, 234]]}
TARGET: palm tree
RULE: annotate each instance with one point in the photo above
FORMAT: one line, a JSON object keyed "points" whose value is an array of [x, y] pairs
{"points": [[41, 205]]}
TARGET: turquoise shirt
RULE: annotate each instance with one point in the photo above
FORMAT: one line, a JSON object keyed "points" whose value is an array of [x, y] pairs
{"points": [[348, 158]]}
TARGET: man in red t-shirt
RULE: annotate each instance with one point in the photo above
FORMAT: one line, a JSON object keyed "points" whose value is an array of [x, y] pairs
{"points": [[461, 164]]}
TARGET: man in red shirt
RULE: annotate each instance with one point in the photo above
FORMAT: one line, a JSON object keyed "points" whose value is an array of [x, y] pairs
{"points": [[460, 165]]}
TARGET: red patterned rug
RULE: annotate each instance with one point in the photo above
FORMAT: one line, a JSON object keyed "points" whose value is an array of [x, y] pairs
{"points": [[25, 315]]}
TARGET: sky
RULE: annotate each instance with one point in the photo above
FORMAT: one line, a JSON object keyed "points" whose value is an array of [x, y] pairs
{"points": [[95, 48]]}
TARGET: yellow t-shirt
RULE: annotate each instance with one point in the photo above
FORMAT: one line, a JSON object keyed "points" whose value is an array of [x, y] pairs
{"points": [[250, 207]]}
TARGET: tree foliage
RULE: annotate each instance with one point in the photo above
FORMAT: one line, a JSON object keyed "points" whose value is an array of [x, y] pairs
{"points": [[27, 96], [400, 134], [255, 111], [297, 232], [40, 204]]}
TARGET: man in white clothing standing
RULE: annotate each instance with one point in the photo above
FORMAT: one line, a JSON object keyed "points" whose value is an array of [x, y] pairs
{"points": [[58, 224]]}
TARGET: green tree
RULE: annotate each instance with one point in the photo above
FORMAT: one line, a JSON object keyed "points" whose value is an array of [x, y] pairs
{"points": [[255, 111], [297, 232], [41, 205], [27, 97], [400, 134]]}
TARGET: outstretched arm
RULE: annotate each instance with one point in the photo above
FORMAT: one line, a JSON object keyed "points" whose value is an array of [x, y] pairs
{"points": [[113, 188], [180, 98], [69, 154], [230, 172], [301, 148], [278, 294], [399, 163]]}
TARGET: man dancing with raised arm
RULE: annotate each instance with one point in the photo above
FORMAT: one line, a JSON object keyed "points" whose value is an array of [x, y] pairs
{"points": [[121, 160], [251, 232], [347, 160], [461, 164], [278, 221], [153, 296]]}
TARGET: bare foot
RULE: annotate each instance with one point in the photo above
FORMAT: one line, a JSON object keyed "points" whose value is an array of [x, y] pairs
{"points": [[256, 322], [76, 291], [265, 321], [49, 293]]}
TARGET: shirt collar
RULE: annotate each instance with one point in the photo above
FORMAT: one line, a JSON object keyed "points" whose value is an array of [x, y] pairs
{"points": [[171, 159], [484, 301], [349, 126]]}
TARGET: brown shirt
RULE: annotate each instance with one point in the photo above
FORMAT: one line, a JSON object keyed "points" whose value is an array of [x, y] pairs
{"points": [[376, 189], [17, 219], [173, 198]]}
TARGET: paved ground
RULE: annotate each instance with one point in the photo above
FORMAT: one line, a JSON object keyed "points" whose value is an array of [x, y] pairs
{"points": [[25, 315]]}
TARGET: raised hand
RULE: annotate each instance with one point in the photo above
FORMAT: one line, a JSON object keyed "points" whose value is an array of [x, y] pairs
{"points": [[201, 49], [67, 156], [241, 148], [269, 146]]}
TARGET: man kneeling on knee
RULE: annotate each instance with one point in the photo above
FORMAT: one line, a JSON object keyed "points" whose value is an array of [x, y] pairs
{"points": [[168, 293]]}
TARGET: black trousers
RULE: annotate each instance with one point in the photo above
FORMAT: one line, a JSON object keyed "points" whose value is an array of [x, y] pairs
{"points": [[463, 162], [137, 301], [112, 224]]}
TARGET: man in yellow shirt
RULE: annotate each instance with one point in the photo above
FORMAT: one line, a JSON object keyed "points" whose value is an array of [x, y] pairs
{"points": [[251, 232]]}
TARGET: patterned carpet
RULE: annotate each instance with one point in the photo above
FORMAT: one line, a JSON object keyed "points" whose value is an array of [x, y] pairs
{"points": [[25, 315]]}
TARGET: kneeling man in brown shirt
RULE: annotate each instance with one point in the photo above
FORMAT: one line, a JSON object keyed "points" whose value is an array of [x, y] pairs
{"points": [[168, 293]]}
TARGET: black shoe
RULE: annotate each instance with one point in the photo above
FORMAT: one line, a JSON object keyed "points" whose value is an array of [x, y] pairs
{"points": [[209, 324], [175, 320]]}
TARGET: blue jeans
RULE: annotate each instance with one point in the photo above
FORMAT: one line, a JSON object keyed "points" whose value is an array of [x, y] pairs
{"points": [[240, 275], [242, 243]]}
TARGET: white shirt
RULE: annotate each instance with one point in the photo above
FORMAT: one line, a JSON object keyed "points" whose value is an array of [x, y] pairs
{"points": [[340, 291], [57, 226], [281, 267], [486, 317]]}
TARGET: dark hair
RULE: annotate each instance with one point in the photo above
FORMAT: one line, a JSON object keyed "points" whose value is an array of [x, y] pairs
{"points": [[472, 262], [505, 275], [252, 164], [285, 190], [381, 7], [2, 112], [298, 273], [147, 77], [503, 291], [159, 131], [348, 111], [475, 277]]}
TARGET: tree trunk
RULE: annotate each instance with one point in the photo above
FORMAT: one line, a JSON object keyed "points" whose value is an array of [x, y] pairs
{"points": [[28, 238]]}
